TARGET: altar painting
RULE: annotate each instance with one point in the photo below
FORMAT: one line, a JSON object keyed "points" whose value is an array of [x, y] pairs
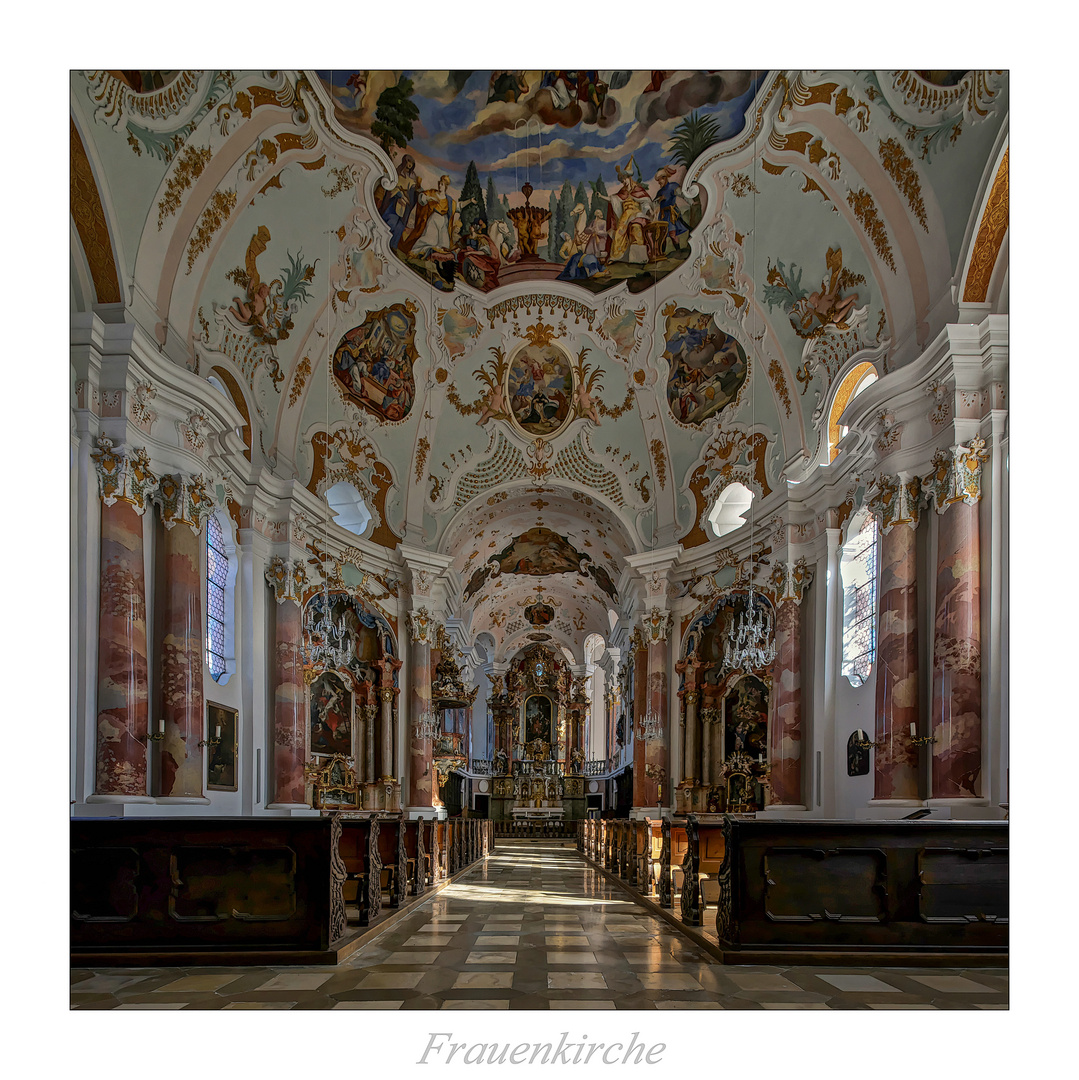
{"points": [[707, 365], [538, 719], [373, 362], [540, 389], [746, 718], [331, 716]]}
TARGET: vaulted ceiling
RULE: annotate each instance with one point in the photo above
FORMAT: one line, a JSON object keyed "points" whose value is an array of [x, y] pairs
{"points": [[727, 244]]}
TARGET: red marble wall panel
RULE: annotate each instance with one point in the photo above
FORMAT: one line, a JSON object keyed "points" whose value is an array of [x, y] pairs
{"points": [[957, 657], [895, 758], [122, 685]]}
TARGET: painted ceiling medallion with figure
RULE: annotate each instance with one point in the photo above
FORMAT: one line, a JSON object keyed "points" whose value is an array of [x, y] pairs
{"points": [[708, 366], [539, 388], [374, 361]]}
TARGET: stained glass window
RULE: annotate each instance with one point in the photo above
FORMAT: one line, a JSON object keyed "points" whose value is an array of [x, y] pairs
{"points": [[859, 568], [217, 565]]}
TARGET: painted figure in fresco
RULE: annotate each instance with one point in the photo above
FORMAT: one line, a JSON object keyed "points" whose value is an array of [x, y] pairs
{"points": [[478, 257], [580, 262], [504, 242], [506, 86], [628, 215], [436, 223], [666, 201], [397, 203]]}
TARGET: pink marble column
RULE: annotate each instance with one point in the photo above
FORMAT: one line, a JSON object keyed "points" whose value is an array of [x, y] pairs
{"points": [[122, 684], [421, 772], [895, 759], [180, 756], [636, 717], [290, 713], [785, 736], [957, 666], [655, 752]]}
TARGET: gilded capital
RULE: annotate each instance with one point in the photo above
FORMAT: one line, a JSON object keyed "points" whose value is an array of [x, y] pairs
{"points": [[422, 627], [288, 579], [126, 477], [790, 580], [656, 625], [956, 475], [894, 500], [184, 499]]}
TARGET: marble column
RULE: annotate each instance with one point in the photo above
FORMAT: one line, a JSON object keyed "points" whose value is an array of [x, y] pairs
{"points": [[639, 706], [957, 657], [785, 734], [290, 712], [656, 787], [120, 774], [185, 504], [957, 671], [895, 758], [421, 772], [370, 711], [387, 693]]}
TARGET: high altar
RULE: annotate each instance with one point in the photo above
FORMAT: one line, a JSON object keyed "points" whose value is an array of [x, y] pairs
{"points": [[539, 712]]}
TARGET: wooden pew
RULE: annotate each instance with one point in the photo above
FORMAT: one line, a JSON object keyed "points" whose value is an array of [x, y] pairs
{"points": [[881, 892], [182, 891], [705, 847]]}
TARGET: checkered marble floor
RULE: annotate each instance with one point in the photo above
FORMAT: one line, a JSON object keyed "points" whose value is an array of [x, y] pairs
{"points": [[536, 928]]}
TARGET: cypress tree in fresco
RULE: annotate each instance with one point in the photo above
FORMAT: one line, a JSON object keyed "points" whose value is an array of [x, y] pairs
{"points": [[394, 115], [475, 210], [494, 207], [598, 203], [581, 197]]}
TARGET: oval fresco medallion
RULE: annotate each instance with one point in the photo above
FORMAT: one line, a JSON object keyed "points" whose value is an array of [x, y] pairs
{"points": [[708, 365], [539, 388]]}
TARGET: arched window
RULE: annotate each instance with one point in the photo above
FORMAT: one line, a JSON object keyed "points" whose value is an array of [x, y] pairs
{"points": [[856, 380], [217, 568], [858, 568]]}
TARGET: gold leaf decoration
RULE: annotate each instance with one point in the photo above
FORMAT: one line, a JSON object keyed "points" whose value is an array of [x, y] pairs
{"points": [[422, 451], [775, 373], [188, 169], [213, 217], [900, 168], [991, 232], [865, 210], [303, 370], [659, 457], [93, 230]]}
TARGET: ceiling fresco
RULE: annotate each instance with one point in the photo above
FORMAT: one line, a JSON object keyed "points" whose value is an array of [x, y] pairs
{"points": [[539, 320], [512, 176]]}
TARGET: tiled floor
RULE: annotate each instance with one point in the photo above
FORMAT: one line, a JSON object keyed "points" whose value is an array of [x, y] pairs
{"points": [[536, 928]]}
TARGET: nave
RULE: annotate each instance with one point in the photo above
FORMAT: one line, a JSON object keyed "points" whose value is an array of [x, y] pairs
{"points": [[536, 927]]}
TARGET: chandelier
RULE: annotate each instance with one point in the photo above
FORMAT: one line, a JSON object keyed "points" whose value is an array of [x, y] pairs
{"points": [[651, 725], [749, 642], [425, 726], [327, 642]]}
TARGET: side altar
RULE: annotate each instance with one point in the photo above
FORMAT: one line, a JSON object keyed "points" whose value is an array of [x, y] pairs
{"points": [[539, 712]]}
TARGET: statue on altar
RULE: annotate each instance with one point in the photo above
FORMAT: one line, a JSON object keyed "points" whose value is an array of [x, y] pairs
{"points": [[538, 750], [501, 762]]}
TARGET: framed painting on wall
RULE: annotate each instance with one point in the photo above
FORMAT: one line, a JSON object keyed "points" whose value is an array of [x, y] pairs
{"points": [[222, 724]]}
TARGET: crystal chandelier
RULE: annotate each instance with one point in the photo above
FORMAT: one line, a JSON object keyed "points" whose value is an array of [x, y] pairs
{"points": [[326, 641], [750, 643], [651, 727], [425, 726]]}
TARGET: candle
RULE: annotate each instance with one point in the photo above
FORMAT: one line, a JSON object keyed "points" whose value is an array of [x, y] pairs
{"points": [[760, 759], [913, 730], [161, 726], [218, 736]]}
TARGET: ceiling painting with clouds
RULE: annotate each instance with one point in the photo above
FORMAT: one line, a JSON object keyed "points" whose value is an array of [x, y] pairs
{"points": [[506, 177]]}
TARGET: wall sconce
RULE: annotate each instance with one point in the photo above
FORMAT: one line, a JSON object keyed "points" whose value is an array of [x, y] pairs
{"points": [[920, 740], [865, 742], [211, 743], [155, 736]]}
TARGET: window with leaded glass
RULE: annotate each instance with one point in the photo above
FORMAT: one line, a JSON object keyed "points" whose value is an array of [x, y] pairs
{"points": [[217, 565], [859, 572]]}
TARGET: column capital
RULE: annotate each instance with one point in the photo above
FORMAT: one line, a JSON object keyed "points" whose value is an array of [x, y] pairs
{"points": [[956, 475], [287, 578], [123, 475], [656, 625], [422, 626], [894, 500], [790, 580], [184, 499]]}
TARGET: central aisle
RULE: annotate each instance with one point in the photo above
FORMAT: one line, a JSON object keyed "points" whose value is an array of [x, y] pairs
{"points": [[537, 927]]}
